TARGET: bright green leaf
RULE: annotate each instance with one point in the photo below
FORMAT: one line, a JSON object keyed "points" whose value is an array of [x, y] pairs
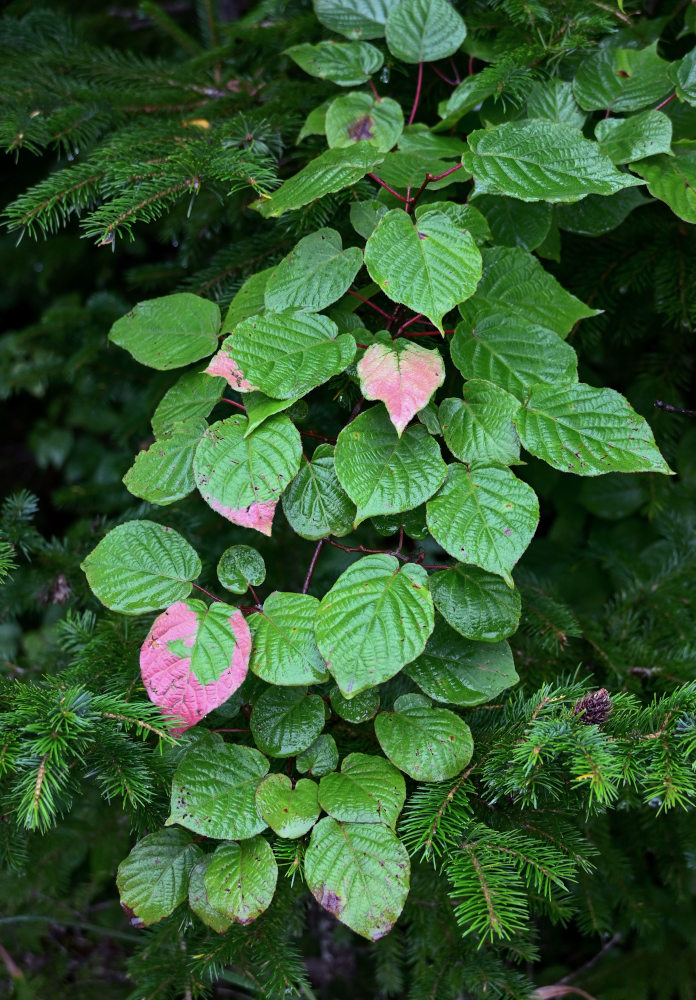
{"points": [[354, 18], [315, 503], [361, 708], [424, 30], [285, 651], [239, 566], [164, 472], [198, 898], [289, 811], [476, 604], [634, 138], [320, 758], [153, 879], [192, 397], [285, 721], [360, 117], [367, 789], [364, 216], [169, 332], [260, 407], [479, 427], [241, 879], [428, 744], [672, 179], [249, 300], [622, 79], [344, 63], [463, 217], [553, 101], [313, 275]]}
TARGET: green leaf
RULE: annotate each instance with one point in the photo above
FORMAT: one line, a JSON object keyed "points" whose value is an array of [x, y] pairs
{"points": [[684, 75], [315, 274], [515, 284], [412, 521], [359, 872], [476, 603], [344, 63], [320, 758], [361, 708], [634, 138], [461, 672], [430, 268], [484, 515], [428, 744], [419, 139], [285, 721], [553, 101], [537, 160], [595, 215], [141, 566], [198, 898], [153, 879], [164, 472], [331, 171], [249, 300], [192, 397], [260, 407], [512, 353], [577, 428], [213, 791], [375, 619], [622, 80], [169, 332], [289, 811], [360, 117], [285, 650], [366, 790], [364, 216], [402, 170], [424, 30], [465, 97], [239, 566], [242, 477], [315, 122], [401, 374], [241, 879], [383, 473], [284, 354], [516, 223], [479, 427], [354, 18], [463, 217], [672, 179], [315, 503]]}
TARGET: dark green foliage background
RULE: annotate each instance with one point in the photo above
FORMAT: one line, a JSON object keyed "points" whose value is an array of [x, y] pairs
{"points": [[607, 584]]}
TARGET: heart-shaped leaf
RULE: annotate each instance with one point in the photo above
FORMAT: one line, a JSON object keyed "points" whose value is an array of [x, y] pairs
{"points": [[313, 275], [286, 721], [403, 376], [239, 566], [354, 18], [198, 898], [360, 873], [213, 791], [290, 812], [367, 789], [241, 879], [192, 397], [153, 879], [315, 503], [634, 138], [169, 332], [164, 472], [428, 744], [344, 63], [360, 117], [285, 650], [477, 604], [622, 79], [242, 476], [424, 30], [479, 427], [359, 709], [320, 758], [375, 619]]}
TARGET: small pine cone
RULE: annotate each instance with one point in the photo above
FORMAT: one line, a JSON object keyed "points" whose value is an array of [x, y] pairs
{"points": [[595, 707]]}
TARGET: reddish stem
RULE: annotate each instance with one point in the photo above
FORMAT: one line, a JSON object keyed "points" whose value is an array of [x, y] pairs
{"points": [[374, 90], [256, 597], [308, 578], [230, 730], [416, 99], [208, 594], [386, 187], [232, 403], [368, 303], [408, 323], [471, 65], [428, 333], [452, 83], [663, 103], [439, 177], [434, 566], [362, 548], [457, 77], [321, 437]]}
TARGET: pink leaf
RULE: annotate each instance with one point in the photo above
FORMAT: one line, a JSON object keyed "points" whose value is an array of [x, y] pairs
{"points": [[256, 515], [184, 632], [224, 364], [403, 375]]}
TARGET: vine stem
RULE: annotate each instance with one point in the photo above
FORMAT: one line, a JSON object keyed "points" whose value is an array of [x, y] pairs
{"points": [[386, 187], [374, 90], [408, 323], [665, 102], [416, 99], [310, 571], [368, 303], [452, 83], [233, 403], [207, 593], [668, 408]]}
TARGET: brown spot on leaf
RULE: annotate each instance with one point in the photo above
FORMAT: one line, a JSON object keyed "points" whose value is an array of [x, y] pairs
{"points": [[361, 129], [329, 900], [133, 919]]}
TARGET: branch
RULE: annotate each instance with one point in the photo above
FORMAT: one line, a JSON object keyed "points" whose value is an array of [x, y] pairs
{"points": [[310, 571]]}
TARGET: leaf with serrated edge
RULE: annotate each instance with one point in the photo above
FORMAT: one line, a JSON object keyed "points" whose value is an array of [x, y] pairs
{"points": [[169, 332], [198, 898], [484, 515], [403, 375], [283, 354], [383, 473], [213, 791], [344, 63], [375, 619], [249, 300], [672, 179], [290, 811], [424, 30], [241, 879], [479, 427], [141, 566], [241, 477], [239, 566], [354, 18], [360, 117], [260, 407], [153, 879], [285, 721], [320, 758], [367, 789], [537, 160], [194, 658], [163, 472], [477, 604], [315, 503], [622, 79], [358, 872], [192, 397], [313, 275], [460, 672], [285, 650], [578, 428], [634, 138], [428, 744], [331, 171], [430, 267]]}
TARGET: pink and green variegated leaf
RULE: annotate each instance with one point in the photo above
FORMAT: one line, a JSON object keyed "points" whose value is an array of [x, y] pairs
{"points": [[403, 375], [194, 658], [223, 364]]}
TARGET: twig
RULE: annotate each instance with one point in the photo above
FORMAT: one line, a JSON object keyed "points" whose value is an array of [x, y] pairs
{"points": [[232, 403], [663, 103], [416, 99], [319, 437], [310, 571], [593, 961], [207, 593], [452, 83], [408, 323], [368, 303], [386, 187], [668, 408]]}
